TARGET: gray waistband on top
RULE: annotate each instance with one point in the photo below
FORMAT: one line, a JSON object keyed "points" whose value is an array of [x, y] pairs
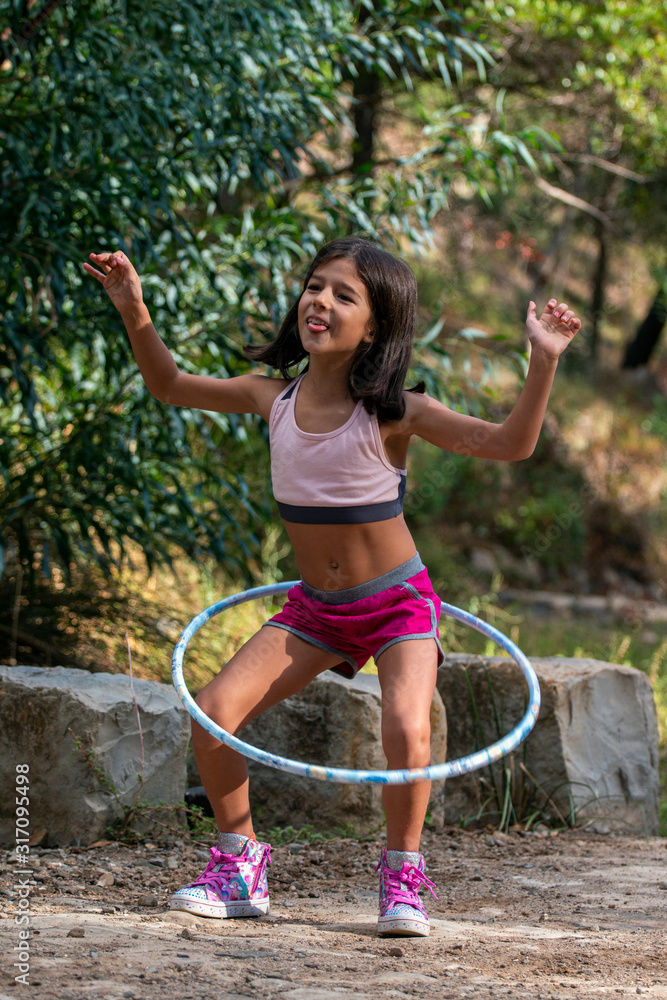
{"points": [[371, 587]]}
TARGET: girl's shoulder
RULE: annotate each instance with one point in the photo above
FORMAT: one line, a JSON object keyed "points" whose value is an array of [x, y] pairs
{"points": [[415, 405], [266, 390]]}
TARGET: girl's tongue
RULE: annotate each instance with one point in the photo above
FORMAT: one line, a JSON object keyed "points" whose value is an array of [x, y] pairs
{"points": [[317, 326]]}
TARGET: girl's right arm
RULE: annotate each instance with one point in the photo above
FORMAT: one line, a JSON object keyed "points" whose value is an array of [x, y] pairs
{"points": [[164, 380]]}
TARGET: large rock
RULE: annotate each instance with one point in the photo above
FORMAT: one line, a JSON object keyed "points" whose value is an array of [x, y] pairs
{"points": [[593, 752], [38, 708], [333, 721]]}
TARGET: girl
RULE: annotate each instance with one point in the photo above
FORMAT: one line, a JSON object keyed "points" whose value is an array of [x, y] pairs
{"points": [[339, 434]]}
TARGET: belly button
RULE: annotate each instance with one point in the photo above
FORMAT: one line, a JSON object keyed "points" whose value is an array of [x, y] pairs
{"points": [[334, 564]]}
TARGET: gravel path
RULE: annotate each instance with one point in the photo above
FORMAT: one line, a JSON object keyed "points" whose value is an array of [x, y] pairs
{"points": [[528, 916]]}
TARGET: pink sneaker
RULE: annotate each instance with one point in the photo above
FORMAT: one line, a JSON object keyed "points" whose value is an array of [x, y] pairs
{"points": [[402, 912], [233, 884]]}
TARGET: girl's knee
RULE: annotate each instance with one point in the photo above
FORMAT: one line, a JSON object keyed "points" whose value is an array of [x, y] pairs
{"points": [[217, 708], [407, 739]]}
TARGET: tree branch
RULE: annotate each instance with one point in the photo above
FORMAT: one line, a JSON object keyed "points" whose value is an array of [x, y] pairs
{"points": [[570, 199], [613, 168]]}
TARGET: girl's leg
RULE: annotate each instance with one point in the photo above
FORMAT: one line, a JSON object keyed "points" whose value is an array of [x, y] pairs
{"points": [[407, 673], [271, 666]]}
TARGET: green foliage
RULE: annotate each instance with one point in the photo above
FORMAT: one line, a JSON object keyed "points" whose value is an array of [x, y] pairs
{"points": [[617, 48], [595, 74], [515, 506], [656, 421], [280, 835], [605, 62], [207, 142]]}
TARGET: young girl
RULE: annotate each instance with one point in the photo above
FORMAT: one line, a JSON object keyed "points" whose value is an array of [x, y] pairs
{"points": [[339, 435]]}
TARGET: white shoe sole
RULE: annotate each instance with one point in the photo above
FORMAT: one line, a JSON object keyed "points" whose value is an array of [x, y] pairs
{"points": [[236, 908], [402, 927]]}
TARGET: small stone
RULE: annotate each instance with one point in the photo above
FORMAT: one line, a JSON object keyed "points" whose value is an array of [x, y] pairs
{"points": [[183, 917], [147, 899], [92, 953], [106, 880], [543, 918], [76, 932], [295, 848], [185, 933], [501, 839], [172, 864], [396, 952], [316, 895]]}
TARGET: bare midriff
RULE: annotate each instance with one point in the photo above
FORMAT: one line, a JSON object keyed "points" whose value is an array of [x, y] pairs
{"points": [[339, 556]]}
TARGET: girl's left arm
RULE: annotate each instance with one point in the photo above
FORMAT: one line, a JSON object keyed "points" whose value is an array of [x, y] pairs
{"points": [[517, 436]]}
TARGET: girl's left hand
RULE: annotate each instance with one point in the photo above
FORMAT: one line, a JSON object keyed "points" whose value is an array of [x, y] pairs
{"points": [[554, 329]]}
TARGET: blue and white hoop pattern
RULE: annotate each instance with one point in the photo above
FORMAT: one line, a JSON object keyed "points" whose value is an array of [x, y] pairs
{"points": [[436, 772]]}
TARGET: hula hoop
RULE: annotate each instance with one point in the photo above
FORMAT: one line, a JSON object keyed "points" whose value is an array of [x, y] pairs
{"points": [[436, 772]]}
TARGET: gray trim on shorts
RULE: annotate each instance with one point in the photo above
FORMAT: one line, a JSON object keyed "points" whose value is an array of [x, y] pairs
{"points": [[320, 645], [433, 634], [372, 587]]}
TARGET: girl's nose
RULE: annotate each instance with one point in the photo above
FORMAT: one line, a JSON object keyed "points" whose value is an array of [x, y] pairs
{"points": [[322, 297]]}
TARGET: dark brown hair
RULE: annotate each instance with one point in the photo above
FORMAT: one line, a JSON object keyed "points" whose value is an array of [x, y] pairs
{"points": [[379, 368]]}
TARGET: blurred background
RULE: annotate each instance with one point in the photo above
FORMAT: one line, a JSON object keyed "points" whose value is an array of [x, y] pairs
{"points": [[508, 152]]}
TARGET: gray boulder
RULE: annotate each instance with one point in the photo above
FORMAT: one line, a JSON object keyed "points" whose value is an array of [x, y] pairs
{"points": [[593, 751], [68, 800], [333, 721]]}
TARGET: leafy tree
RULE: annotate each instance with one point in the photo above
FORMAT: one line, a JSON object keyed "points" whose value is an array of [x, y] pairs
{"points": [[214, 144], [595, 73]]}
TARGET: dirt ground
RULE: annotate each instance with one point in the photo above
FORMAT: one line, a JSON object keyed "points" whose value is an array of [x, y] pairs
{"points": [[571, 915]]}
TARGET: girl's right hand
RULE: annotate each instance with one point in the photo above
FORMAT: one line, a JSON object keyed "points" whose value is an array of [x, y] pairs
{"points": [[118, 278]]}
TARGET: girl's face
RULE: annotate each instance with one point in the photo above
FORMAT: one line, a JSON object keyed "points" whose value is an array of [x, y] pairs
{"points": [[334, 313]]}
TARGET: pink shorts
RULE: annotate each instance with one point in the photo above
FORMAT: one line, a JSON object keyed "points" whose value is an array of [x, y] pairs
{"points": [[363, 621]]}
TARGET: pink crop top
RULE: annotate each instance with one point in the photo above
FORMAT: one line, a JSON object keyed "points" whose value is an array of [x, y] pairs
{"points": [[340, 477]]}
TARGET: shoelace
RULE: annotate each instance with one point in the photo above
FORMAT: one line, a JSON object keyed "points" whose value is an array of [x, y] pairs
{"points": [[228, 867], [411, 877]]}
